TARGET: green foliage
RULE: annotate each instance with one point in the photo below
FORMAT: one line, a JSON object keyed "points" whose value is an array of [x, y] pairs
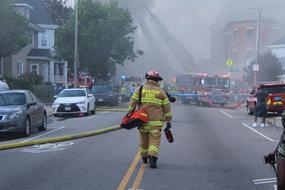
{"points": [[14, 31], [43, 92], [269, 69], [104, 38], [27, 81], [17, 84], [58, 11], [34, 79]]}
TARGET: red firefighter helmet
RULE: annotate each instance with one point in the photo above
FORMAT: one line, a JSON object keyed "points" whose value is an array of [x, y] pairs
{"points": [[153, 75]]}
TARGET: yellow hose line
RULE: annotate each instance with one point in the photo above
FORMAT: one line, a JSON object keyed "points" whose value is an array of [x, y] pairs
{"points": [[58, 139]]}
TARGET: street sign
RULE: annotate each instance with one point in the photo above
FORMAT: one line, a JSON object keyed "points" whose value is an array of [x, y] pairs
{"points": [[255, 67], [230, 62]]}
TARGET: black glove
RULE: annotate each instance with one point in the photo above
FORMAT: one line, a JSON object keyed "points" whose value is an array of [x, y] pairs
{"points": [[168, 126]]}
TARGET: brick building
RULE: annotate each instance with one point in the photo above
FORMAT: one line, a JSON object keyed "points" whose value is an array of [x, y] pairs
{"points": [[234, 33]]}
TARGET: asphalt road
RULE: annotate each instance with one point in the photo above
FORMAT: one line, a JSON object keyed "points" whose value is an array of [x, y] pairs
{"points": [[213, 149]]}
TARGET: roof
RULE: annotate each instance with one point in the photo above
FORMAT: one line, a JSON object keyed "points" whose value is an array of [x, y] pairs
{"points": [[280, 41], [40, 53], [39, 14]]}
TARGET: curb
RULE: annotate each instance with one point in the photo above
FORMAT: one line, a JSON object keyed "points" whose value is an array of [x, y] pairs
{"points": [[58, 139], [112, 110]]}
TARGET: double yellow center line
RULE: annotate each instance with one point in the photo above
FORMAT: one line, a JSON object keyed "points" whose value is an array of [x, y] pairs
{"points": [[130, 172]]}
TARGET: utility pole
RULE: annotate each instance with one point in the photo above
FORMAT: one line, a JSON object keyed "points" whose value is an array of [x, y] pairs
{"points": [[256, 68], [75, 70]]}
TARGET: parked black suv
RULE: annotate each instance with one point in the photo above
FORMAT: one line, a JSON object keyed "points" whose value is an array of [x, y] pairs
{"points": [[105, 94]]}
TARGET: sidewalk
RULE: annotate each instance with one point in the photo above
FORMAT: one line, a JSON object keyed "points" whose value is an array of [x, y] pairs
{"points": [[48, 110]]}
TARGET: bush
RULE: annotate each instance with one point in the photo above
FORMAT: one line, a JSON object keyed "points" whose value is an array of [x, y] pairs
{"points": [[33, 83], [16, 84], [34, 79]]}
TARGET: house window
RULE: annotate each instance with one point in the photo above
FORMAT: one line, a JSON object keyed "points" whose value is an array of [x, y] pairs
{"points": [[250, 34], [43, 39], [34, 69], [20, 68]]}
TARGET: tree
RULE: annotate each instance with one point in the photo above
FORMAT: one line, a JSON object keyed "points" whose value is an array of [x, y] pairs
{"points": [[104, 38], [269, 69], [14, 31], [58, 11]]}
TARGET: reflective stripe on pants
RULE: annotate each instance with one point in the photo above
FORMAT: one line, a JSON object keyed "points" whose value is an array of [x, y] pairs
{"points": [[150, 142]]}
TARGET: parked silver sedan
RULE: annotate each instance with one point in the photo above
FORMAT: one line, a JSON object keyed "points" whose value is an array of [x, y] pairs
{"points": [[20, 111]]}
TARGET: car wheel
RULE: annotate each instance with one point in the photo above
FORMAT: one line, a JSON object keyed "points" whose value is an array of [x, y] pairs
{"points": [[43, 127], [88, 110], [94, 110], [27, 129]]}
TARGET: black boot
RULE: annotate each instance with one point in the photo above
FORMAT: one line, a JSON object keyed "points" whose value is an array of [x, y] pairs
{"points": [[144, 159], [152, 161]]}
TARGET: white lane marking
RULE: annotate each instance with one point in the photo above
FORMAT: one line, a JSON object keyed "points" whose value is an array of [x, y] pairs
{"points": [[265, 179], [49, 147], [225, 113], [43, 134], [257, 132], [265, 182], [275, 187]]}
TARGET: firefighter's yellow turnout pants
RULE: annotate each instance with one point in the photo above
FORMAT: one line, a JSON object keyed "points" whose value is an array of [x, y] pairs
{"points": [[150, 141]]}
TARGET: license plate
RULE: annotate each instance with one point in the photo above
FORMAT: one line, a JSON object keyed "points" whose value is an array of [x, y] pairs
{"points": [[100, 100], [67, 108], [277, 98]]}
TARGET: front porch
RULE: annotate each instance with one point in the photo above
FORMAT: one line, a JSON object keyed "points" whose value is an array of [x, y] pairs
{"points": [[40, 62]]}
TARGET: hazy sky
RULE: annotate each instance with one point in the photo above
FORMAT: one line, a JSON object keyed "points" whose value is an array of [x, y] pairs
{"points": [[190, 21]]}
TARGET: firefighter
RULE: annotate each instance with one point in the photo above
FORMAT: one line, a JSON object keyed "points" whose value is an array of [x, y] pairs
{"points": [[281, 158], [155, 102]]}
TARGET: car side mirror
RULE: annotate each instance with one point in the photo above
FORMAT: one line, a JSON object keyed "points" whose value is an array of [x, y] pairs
{"points": [[90, 95], [31, 104], [55, 97]]}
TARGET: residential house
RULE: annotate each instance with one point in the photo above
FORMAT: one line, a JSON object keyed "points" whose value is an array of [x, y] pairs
{"points": [[278, 49], [37, 57]]}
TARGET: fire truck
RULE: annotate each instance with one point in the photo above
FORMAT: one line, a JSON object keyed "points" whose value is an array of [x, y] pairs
{"points": [[85, 80], [211, 90], [276, 97], [203, 89], [184, 87]]}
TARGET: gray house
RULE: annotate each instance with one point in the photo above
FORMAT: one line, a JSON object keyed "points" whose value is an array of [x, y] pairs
{"points": [[37, 57]]}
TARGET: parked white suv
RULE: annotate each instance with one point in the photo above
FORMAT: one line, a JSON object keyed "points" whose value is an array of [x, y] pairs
{"points": [[74, 101]]}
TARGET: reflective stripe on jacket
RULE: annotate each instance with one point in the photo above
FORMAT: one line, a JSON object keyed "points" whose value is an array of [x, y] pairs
{"points": [[155, 102]]}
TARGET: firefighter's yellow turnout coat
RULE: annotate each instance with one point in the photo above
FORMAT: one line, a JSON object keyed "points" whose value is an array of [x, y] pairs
{"points": [[155, 102]]}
